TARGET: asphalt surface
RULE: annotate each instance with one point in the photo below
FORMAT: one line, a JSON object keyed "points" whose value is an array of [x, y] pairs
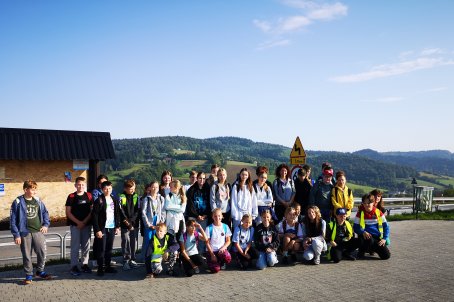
{"points": [[420, 269]]}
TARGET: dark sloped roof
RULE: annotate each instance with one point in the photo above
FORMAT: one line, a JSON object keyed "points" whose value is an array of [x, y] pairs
{"points": [[37, 144]]}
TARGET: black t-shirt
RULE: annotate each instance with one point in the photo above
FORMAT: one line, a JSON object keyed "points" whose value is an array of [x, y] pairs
{"points": [[341, 232], [80, 206]]}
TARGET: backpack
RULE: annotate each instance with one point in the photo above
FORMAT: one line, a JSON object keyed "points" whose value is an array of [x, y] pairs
{"points": [[210, 229], [196, 235]]}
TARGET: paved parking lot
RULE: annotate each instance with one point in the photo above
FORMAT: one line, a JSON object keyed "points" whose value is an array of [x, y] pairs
{"points": [[421, 268]]}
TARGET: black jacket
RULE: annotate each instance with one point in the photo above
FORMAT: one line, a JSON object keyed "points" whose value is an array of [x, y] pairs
{"points": [[98, 215]]}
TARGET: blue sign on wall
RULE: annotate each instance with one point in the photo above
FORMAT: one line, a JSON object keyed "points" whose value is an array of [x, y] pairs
{"points": [[2, 189]]}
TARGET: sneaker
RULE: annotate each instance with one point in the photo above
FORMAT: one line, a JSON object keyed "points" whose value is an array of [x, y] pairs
{"points": [[43, 275], [86, 269], [349, 257], [149, 276], [100, 272], [223, 266], [170, 272], [133, 264], [126, 266], [285, 260], [28, 279], [317, 260], [75, 271], [197, 270], [110, 270]]}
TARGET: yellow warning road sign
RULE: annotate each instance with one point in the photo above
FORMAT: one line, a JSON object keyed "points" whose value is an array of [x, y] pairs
{"points": [[298, 155]]}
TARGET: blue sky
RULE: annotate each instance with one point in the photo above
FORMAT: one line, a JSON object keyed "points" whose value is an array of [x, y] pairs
{"points": [[341, 75]]}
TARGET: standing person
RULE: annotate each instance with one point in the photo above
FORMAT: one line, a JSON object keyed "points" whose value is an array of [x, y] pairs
{"points": [[303, 188], [262, 188], [106, 224], [174, 206], [78, 214], [213, 177], [243, 237], [340, 236], [192, 180], [379, 203], [98, 190], [320, 194], [129, 214], [266, 241], [244, 199], [284, 190], [372, 229], [314, 235], [327, 166], [191, 257], [166, 178], [308, 175], [29, 222], [341, 195], [218, 241], [220, 196], [152, 213], [198, 203]]}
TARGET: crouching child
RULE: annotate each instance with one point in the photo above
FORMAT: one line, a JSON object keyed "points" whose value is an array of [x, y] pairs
{"points": [[339, 234], [218, 235], [266, 241], [372, 229], [243, 237], [162, 247], [190, 256]]}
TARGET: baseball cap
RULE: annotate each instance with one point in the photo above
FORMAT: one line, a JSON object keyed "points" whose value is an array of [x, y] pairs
{"points": [[341, 211]]}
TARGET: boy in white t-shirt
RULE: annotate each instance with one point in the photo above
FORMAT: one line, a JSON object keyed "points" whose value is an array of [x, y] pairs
{"points": [[218, 235]]}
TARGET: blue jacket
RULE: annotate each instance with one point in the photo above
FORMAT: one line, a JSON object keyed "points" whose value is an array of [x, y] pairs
{"points": [[18, 214]]}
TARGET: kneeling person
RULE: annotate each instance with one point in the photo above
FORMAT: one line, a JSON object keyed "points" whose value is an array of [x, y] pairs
{"points": [[162, 245], [342, 243]]}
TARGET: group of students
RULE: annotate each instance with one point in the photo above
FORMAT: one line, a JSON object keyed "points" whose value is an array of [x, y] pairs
{"points": [[197, 224]]}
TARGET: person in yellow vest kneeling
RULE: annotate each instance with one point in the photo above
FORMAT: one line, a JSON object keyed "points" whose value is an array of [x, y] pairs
{"points": [[372, 229], [340, 237]]}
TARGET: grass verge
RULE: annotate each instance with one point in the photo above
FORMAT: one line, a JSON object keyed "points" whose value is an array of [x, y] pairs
{"points": [[439, 215]]}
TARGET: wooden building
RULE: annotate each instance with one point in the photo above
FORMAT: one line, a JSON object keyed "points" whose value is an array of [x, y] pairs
{"points": [[52, 158]]}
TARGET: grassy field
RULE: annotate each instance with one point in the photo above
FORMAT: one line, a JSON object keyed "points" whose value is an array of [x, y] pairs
{"points": [[120, 175], [361, 187], [191, 163], [445, 180], [440, 215], [179, 151]]}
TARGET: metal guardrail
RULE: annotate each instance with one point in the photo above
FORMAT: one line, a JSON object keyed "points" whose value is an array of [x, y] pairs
{"points": [[60, 237]]}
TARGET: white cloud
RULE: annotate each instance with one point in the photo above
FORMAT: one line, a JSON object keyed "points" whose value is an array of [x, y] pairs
{"points": [[271, 44], [432, 51], [390, 99], [387, 70], [328, 12], [293, 23], [263, 25], [436, 89], [310, 13]]}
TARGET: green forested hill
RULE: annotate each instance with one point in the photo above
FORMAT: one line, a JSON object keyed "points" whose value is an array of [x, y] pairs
{"points": [[156, 154]]}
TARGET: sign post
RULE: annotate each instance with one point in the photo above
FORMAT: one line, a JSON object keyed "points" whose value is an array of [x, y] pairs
{"points": [[298, 155]]}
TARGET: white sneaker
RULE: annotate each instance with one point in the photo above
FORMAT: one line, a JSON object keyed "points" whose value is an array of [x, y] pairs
{"points": [[317, 260], [133, 264], [126, 266], [223, 266]]}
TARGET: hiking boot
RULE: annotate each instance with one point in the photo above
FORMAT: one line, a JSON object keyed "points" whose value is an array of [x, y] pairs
{"points": [[86, 269], [100, 271], [75, 271], [28, 279], [285, 260], [43, 275], [293, 257], [110, 270], [126, 266], [133, 264]]}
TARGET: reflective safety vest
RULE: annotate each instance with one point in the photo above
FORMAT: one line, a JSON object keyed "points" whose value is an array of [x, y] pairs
{"points": [[158, 249], [333, 228], [135, 199], [362, 223]]}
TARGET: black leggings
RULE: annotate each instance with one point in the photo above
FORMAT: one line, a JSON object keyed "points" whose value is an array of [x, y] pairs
{"points": [[197, 259]]}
